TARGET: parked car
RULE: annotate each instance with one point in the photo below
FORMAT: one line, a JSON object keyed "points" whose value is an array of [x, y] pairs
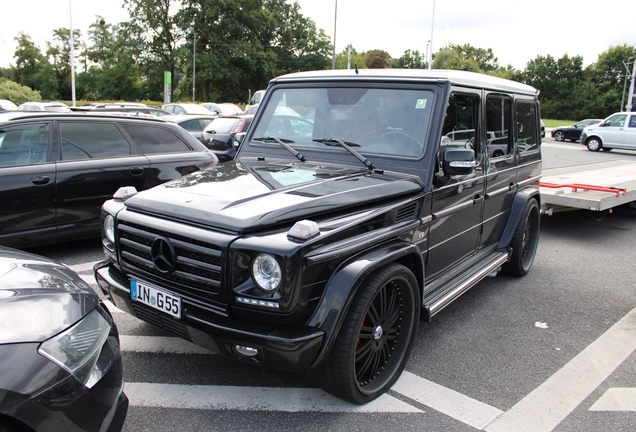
{"points": [[572, 133], [307, 252], [7, 105], [616, 131], [542, 129], [219, 134], [58, 169], [59, 350], [186, 108], [255, 100], [131, 110], [223, 108], [192, 123], [44, 106]]}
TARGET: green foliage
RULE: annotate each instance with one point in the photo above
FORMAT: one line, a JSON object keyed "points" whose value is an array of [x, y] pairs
{"points": [[410, 60], [378, 59], [17, 93]]}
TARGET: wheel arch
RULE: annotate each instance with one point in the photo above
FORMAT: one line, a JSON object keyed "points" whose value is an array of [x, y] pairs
{"points": [[516, 210], [345, 281]]}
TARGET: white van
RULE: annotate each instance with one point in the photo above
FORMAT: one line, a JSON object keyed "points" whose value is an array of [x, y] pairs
{"points": [[255, 100], [616, 131]]}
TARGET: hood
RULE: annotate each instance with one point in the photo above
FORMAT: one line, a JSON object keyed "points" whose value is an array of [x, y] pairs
{"points": [[39, 297], [241, 197]]}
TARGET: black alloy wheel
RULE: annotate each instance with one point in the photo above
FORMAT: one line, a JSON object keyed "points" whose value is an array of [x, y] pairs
{"points": [[375, 339], [525, 240]]}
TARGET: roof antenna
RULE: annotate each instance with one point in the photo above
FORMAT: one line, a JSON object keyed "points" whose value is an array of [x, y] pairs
{"points": [[356, 69]]}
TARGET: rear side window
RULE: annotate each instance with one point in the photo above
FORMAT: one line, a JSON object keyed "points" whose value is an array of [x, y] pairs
{"points": [[527, 138], [24, 144], [153, 140], [91, 140], [222, 125]]}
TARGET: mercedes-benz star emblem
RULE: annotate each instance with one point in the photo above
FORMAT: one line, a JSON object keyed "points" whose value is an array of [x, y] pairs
{"points": [[163, 255]]}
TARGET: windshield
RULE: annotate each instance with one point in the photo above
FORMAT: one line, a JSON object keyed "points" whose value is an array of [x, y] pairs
{"points": [[374, 120]]}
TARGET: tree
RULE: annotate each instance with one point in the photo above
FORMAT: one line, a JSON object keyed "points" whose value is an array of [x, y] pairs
{"points": [[357, 59], [17, 93], [378, 59], [483, 58], [410, 60], [29, 59]]}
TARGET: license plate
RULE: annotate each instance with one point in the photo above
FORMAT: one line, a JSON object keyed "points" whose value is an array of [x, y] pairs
{"points": [[155, 297]]}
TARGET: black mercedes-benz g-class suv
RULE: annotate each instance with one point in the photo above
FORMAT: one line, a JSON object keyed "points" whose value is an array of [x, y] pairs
{"points": [[323, 243]]}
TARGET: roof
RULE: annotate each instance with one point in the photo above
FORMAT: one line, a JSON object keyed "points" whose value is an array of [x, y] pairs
{"points": [[470, 79]]}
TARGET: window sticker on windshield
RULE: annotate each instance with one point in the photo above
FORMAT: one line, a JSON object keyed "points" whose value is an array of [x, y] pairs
{"points": [[421, 104]]}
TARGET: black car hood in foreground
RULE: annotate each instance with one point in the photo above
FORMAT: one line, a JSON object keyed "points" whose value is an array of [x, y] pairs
{"points": [[38, 297], [242, 196]]}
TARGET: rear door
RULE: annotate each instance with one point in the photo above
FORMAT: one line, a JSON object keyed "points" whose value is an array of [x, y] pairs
{"points": [[27, 183], [630, 133], [96, 160]]}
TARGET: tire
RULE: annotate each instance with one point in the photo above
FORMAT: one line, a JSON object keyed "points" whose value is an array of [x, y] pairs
{"points": [[497, 153], [8, 426], [525, 240], [559, 136], [594, 144], [375, 339]]}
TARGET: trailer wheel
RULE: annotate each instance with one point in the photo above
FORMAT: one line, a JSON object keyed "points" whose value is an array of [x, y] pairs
{"points": [[525, 240], [594, 144], [375, 339]]}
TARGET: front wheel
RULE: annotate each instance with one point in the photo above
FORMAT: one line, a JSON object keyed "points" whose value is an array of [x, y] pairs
{"points": [[559, 136], [525, 240], [594, 144], [375, 339]]}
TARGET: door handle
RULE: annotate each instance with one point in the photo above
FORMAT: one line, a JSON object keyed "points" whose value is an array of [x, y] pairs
{"points": [[136, 171], [40, 180]]}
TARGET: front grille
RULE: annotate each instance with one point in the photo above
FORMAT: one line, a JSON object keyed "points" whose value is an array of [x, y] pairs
{"points": [[161, 320], [197, 274]]}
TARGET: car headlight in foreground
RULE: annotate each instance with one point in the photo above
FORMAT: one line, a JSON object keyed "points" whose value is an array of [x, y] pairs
{"points": [[77, 349]]}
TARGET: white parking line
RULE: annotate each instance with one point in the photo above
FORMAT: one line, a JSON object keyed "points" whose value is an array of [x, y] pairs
{"points": [[616, 399], [546, 406], [447, 401], [253, 399]]}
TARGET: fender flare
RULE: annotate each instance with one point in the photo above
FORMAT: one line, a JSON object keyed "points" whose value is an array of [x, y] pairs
{"points": [[345, 281], [519, 201]]}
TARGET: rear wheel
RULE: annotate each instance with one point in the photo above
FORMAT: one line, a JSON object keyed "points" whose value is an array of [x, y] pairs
{"points": [[559, 136], [375, 339], [594, 144], [525, 240]]}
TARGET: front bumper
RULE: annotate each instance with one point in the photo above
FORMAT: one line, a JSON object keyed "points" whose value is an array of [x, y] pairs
{"points": [[289, 349]]}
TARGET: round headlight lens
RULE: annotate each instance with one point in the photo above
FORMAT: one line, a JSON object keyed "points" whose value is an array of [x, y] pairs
{"points": [[109, 228], [266, 272]]}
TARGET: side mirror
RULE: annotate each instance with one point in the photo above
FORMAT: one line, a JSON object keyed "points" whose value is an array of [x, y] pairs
{"points": [[458, 162]]}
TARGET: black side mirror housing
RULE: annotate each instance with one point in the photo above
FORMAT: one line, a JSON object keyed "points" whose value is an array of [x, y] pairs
{"points": [[458, 162]]}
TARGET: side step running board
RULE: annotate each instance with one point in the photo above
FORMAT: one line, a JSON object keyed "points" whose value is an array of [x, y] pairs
{"points": [[445, 295]]}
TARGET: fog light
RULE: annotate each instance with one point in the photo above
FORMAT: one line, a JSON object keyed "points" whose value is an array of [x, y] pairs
{"points": [[245, 350]]}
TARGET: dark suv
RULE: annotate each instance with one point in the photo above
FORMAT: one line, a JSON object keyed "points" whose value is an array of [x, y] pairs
{"points": [[321, 247], [58, 169]]}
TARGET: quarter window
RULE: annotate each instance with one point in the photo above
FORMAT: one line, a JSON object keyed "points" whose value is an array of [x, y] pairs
{"points": [[527, 121], [88, 140], [153, 140]]}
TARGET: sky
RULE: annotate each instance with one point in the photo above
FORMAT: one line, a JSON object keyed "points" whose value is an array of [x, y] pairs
{"points": [[516, 30]]}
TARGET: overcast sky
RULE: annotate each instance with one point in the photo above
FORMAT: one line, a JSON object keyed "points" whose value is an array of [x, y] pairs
{"points": [[516, 30]]}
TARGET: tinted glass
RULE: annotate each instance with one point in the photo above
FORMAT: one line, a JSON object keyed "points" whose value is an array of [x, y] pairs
{"points": [[152, 139], [498, 125], [24, 144], [88, 140], [526, 127], [221, 125], [191, 125]]}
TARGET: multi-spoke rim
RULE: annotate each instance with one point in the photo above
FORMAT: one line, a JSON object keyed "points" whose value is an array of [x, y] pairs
{"points": [[379, 334]]}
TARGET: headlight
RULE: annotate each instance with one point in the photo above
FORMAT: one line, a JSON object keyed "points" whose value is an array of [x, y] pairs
{"points": [[109, 228], [266, 272], [77, 349]]}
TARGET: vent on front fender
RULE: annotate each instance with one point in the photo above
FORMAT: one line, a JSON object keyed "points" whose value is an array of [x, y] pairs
{"points": [[407, 212]]}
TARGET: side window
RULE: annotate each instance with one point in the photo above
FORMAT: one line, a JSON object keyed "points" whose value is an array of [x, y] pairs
{"points": [[204, 122], [89, 140], [498, 125], [153, 140], [526, 127], [191, 125], [24, 144], [616, 121], [632, 122], [178, 110]]}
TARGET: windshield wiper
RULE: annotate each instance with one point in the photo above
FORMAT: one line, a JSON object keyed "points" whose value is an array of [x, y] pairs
{"points": [[283, 142], [347, 146]]}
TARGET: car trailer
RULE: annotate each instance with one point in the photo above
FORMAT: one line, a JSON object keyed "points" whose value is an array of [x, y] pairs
{"points": [[596, 187]]}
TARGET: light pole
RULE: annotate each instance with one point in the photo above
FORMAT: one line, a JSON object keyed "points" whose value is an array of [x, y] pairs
{"points": [[431, 41], [335, 21], [427, 44], [194, 62], [72, 55]]}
